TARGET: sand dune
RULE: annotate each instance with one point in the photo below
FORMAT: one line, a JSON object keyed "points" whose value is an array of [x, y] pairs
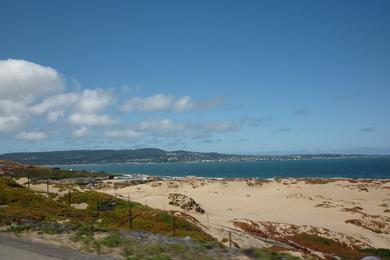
{"points": [[353, 212]]}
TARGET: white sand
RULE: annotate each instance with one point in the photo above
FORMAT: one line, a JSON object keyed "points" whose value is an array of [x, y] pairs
{"points": [[287, 201]]}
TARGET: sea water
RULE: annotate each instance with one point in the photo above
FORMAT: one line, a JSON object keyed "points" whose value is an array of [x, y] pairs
{"points": [[372, 167]]}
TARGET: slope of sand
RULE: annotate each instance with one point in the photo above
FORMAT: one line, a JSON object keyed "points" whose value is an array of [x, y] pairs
{"points": [[354, 212]]}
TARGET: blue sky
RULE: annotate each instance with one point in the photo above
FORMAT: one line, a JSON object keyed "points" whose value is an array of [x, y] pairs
{"points": [[226, 76]]}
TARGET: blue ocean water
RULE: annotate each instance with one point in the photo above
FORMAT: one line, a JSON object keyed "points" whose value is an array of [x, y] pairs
{"points": [[375, 168]]}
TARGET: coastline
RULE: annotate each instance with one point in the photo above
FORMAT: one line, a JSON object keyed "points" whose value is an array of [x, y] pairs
{"points": [[366, 168]]}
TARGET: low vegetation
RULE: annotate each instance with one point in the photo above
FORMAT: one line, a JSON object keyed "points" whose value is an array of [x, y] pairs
{"points": [[310, 242], [333, 249], [17, 170], [103, 226], [20, 204]]}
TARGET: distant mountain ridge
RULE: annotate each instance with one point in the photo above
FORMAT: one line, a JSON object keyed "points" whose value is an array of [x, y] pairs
{"points": [[109, 156], [145, 155]]}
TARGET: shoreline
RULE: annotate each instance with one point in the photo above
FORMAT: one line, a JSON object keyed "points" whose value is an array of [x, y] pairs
{"points": [[374, 168]]}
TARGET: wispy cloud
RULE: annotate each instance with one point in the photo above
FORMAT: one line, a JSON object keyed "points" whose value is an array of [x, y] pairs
{"points": [[209, 104], [158, 102], [91, 119], [256, 121], [302, 112], [32, 136], [209, 141], [342, 98], [123, 134], [282, 130], [170, 103], [80, 132], [167, 128], [369, 129]]}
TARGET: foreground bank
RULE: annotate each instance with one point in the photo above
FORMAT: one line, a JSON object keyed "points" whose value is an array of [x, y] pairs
{"points": [[230, 219]]}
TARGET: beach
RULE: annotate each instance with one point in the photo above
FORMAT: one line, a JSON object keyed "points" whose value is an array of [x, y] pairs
{"points": [[353, 212]]}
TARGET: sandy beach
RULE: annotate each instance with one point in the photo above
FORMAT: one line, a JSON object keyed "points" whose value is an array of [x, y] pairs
{"points": [[349, 211]]}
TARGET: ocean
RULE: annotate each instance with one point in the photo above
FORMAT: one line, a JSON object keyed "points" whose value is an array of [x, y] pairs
{"points": [[372, 168]]}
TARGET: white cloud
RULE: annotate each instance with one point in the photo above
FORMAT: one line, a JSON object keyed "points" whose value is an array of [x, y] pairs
{"points": [[31, 92], [10, 123], [21, 83], [9, 107], [182, 104], [92, 101], [208, 104], [162, 126], [32, 136], [219, 127], [81, 132], [158, 102], [21, 80], [90, 119], [53, 116], [89, 101], [167, 128], [55, 101], [123, 134]]}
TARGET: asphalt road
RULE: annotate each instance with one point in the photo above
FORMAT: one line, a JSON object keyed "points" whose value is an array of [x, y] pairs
{"points": [[12, 248]]}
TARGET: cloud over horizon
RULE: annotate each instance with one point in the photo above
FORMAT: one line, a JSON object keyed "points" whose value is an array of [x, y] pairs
{"points": [[32, 93]]}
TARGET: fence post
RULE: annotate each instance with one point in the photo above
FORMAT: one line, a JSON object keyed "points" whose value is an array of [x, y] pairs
{"points": [[47, 186], [97, 205], [130, 213], [130, 218], [28, 180], [69, 197], [230, 239], [174, 225]]}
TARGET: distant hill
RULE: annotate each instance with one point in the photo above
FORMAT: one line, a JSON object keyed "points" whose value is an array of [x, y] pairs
{"points": [[111, 156], [145, 155]]}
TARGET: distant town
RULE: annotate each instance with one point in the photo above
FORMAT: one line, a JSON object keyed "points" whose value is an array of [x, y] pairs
{"points": [[151, 155]]}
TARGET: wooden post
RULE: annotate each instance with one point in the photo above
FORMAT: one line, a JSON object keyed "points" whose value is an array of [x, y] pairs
{"points": [[208, 218], [69, 197], [230, 239], [130, 218], [28, 180], [130, 213], [47, 186], [174, 225], [97, 205]]}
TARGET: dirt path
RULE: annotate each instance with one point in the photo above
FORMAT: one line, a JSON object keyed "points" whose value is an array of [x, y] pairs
{"points": [[13, 248]]}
